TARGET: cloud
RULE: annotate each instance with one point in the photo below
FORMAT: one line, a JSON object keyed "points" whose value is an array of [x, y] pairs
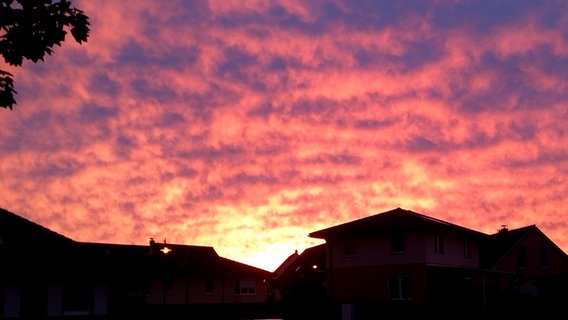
{"points": [[247, 125]]}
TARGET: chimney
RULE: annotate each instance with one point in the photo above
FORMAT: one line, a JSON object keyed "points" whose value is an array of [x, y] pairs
{"points": [[503, 228], [152, 246]]}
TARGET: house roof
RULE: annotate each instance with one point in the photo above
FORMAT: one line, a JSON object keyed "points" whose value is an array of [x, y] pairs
{"points": [[32, 247], [311, 256], [27, 248], [306, 267], [496, 246], [390, 221], [180, 259], [239, 269], [16, 231], [286, 263]]}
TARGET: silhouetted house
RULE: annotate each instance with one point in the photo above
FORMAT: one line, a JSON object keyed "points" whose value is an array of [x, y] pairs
{"points": [[300, 279], [43, 273], [392, 259], [298, 287], [401, 257], [275, 293], [33, 260], [524, 265], [197, 275]]}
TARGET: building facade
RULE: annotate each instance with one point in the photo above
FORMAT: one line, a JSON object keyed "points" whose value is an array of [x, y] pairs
{"points": [[44, 274], [403, 258]]}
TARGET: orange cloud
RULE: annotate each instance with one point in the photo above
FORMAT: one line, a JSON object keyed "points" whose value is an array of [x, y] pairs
{"points": [[247, 125]]}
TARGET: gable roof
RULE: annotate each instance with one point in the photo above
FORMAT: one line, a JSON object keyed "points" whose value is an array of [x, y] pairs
{"points": [[29, 245], [390, 221], [239, 269], [286, 264], [136, 260], [28, 249], [304, 268], [150, 259], [496, 246], [16, 231], [312, 256]]}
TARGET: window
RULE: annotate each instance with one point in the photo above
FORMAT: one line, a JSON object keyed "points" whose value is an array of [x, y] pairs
{"points": [[349, 249], [399, 288], [245, 287], [544, 257], [522, 257], [439, 244], [467, 248], [208, 286], [77, 298], [398, 245], [168, 285]]}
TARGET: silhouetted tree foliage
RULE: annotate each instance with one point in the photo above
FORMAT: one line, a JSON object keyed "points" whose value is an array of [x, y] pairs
{"points": [[29, 29]]}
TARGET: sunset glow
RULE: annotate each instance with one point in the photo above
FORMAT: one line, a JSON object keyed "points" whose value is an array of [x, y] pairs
{"points": [[246, 125]]}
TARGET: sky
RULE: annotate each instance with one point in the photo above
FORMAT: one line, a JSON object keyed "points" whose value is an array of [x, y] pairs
{"points": [[246, 125]]}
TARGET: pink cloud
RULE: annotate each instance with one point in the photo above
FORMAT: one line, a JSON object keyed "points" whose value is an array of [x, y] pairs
{"points": [[246, 126]]}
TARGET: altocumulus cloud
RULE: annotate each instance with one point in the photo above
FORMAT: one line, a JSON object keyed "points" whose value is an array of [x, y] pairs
{"points": [[245, 125]]}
